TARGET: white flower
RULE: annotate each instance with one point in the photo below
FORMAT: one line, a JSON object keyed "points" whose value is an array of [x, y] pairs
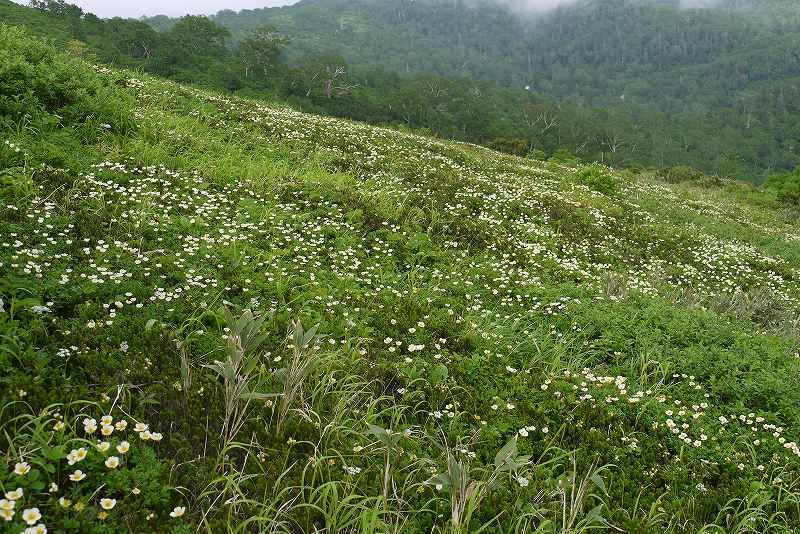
{"points": [[7, 509], [22, 468], [123, 447], [38, 529], [523, 432], [77, 475], [31, 515], [76, 455], [112, 462], [108, 504], [103, 446], [15, 495], [523, 481], [352, 470], [178, 511]]}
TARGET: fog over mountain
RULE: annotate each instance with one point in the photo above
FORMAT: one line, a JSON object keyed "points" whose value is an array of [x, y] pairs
{"points": [[535, 5], [545, 5]]}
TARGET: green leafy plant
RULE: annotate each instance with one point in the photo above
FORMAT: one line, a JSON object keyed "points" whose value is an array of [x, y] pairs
{"points": [[786, 186], [304, 345], [598, 178], [466, 492], [241, 371]]}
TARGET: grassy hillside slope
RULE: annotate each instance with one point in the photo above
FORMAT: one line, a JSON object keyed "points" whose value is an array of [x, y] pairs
{"points": [[474, 340]]}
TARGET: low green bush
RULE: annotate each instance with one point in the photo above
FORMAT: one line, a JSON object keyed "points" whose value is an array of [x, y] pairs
{"points": [[562, 156], [537, 154], [684, 173], [786, 186], [54, 99], [598, 178]]}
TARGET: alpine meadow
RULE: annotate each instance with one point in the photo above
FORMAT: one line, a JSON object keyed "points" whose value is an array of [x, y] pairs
{"points": [[246, 292]]}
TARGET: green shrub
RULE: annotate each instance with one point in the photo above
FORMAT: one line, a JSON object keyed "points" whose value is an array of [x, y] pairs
{"points": [[563, 156], [786, 186], [598, 178], [681, 173], [537, 154], [684, 173], [44, 92], [514, 146]]}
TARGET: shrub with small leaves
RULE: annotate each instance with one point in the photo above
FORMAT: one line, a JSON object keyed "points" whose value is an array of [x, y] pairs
{"points": [[598, 178]]}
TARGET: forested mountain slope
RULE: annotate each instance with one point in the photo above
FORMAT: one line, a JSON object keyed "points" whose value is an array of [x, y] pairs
{"points": [[594, 49], [218, 314], [736, 65]]}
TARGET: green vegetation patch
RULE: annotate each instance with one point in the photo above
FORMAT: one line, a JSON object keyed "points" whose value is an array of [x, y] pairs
{"points": [[223, 315]]}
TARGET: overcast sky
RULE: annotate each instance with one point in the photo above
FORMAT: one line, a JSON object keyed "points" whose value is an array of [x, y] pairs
{"points": [[137, 8]]}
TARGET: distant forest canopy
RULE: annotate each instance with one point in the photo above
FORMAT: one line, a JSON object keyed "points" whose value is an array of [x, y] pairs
{"points": [[635, 83]]}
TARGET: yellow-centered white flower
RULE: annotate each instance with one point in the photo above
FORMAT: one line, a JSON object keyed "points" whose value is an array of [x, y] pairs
{"points": [[22, 468], [15, 495], [178, 511], [31, 516]]}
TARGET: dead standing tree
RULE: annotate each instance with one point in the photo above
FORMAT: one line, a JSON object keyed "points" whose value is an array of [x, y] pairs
{"points": [[332, 79]]}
